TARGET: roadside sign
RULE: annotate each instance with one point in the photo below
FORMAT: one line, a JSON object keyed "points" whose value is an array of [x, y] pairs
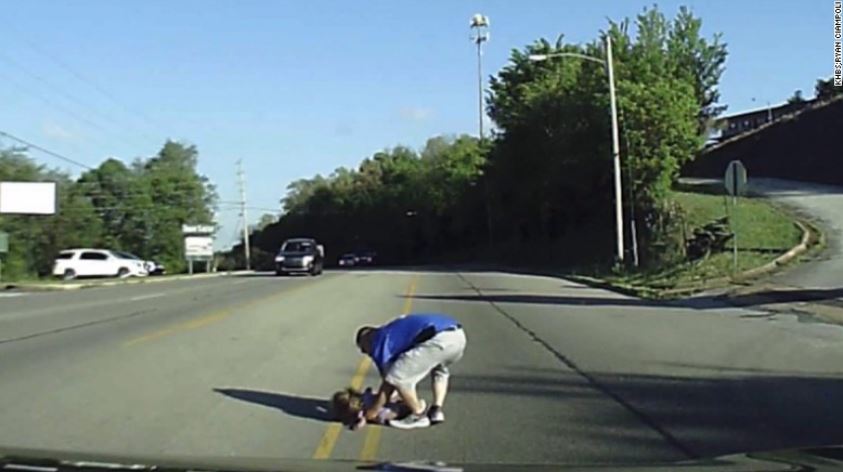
{"points": [[28, 198], [198, 229], [735, 178], [198, 247]]}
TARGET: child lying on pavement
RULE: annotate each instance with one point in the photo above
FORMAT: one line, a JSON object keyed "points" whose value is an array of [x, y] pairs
{"points": [[348, 406]]}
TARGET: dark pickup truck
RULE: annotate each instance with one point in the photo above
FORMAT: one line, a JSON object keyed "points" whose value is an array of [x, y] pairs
{"points": [[300, 255]]}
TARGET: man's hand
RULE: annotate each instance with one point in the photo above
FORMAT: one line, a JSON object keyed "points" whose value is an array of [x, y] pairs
{"points": [[382, 398]]}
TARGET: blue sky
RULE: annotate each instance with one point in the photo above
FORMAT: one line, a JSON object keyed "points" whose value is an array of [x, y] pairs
{"points": [[299, 88]]}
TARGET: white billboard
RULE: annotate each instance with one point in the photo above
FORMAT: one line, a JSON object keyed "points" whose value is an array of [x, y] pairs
{"points": [[198, 246], [28, 198]]}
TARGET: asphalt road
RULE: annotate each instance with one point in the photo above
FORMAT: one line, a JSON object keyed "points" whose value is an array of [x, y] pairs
{"points": [[824, 204], [554, 371]]}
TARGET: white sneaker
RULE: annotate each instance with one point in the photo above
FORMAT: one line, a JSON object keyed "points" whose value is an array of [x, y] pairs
{"points": [[436, 415], [411, 421]]}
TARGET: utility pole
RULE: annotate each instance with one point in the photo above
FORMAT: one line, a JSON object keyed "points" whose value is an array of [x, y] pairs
{"points": [[242, 182], [616, 153], [480, 25]]}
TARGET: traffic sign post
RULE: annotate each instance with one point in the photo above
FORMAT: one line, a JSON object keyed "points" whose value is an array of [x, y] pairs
{"points": [[198, 245], [735, 183], [735, 180], [4, 248]]}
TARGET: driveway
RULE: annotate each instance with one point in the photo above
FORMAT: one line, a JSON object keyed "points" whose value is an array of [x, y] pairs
{"points": [[824, 205]]}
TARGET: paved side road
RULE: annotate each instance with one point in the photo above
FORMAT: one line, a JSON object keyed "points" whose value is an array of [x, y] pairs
{"points": [[823, 203], [555, 372]]}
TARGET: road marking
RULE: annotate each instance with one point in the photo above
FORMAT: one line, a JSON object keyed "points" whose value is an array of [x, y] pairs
{"points": [[187, 325], [146, 297], [11, 295], [373, 434], [210, 318], [332, 432]]}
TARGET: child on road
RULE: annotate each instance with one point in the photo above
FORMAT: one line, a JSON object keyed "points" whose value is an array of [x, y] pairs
{"points": [[349, 405]]}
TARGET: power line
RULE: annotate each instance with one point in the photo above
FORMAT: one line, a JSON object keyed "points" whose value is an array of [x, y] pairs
{"points": [[238, 208], [67, 96], [82, 78], [44, 150], [58, 106]]}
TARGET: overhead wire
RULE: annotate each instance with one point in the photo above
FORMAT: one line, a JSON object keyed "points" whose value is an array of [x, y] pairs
{"points": [[66, 95], [50, 103], [151, 124], [44, 150]]}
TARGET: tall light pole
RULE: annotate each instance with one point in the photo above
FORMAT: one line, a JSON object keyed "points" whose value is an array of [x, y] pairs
{"points": [[480, 25], [769, 110], [616, 153]]}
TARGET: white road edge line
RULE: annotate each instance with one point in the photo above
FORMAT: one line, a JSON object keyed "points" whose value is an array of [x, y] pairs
{"points": [[147, 297]]}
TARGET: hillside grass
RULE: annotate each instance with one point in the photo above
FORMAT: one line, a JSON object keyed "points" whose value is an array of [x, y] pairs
{"points": [[764, 232]]}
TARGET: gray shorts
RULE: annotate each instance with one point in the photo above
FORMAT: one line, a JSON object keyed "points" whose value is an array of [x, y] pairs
{"points": [[432, 356]]}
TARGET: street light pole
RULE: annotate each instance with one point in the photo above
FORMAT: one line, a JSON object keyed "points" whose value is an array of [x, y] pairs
{"points": [[616, 153], [480, 24]]}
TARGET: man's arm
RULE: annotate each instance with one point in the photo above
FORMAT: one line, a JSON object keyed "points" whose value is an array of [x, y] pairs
{"points": [[384, 393]]}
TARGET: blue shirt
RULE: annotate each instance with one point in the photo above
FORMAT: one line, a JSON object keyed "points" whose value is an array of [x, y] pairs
{"points": [[399, 335]]}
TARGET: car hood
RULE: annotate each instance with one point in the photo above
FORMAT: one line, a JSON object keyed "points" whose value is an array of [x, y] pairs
{"points": [[814, 459]]}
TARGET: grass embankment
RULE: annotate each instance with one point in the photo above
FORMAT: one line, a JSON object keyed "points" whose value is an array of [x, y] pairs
{"points": [[764, 232]]}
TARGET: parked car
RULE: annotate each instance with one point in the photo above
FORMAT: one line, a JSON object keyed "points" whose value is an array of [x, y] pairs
{"points": [[155, 268], [366, 257], [300, 255], [347, 260], [73, 263]]}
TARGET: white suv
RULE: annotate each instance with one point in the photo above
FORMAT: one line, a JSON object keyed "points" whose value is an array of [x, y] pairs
{"points": [[74, 263]]}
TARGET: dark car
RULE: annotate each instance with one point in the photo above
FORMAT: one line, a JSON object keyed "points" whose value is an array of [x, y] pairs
{"points": [[300, 255], [347, 260], [366, 257]]}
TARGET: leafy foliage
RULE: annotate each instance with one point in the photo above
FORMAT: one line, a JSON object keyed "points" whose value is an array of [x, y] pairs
{"points": [[402, 203], [825, 89], [138, 208], [546, 176]]}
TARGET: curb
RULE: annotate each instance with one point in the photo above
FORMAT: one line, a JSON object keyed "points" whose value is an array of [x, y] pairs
{"points": [[631, 290], [785, 258], [808, 233], [58, 287]]}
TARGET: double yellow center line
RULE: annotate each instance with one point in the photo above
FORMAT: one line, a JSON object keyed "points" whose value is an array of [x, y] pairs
{"points": [[373, 433]]}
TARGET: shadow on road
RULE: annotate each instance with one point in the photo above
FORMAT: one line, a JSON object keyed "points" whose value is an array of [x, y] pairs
{"points": [[787, 296], [722, 411], [542, 300], [703, 302], [311, 408]]}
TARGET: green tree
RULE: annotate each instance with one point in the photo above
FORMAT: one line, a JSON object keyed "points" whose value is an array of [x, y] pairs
{"points": [[825, 89], [35, 239], [178, 195], [555, 132], [796, 97]]}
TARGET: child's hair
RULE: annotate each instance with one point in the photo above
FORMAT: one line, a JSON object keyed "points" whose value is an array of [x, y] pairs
{"points": [[347, 404]]}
